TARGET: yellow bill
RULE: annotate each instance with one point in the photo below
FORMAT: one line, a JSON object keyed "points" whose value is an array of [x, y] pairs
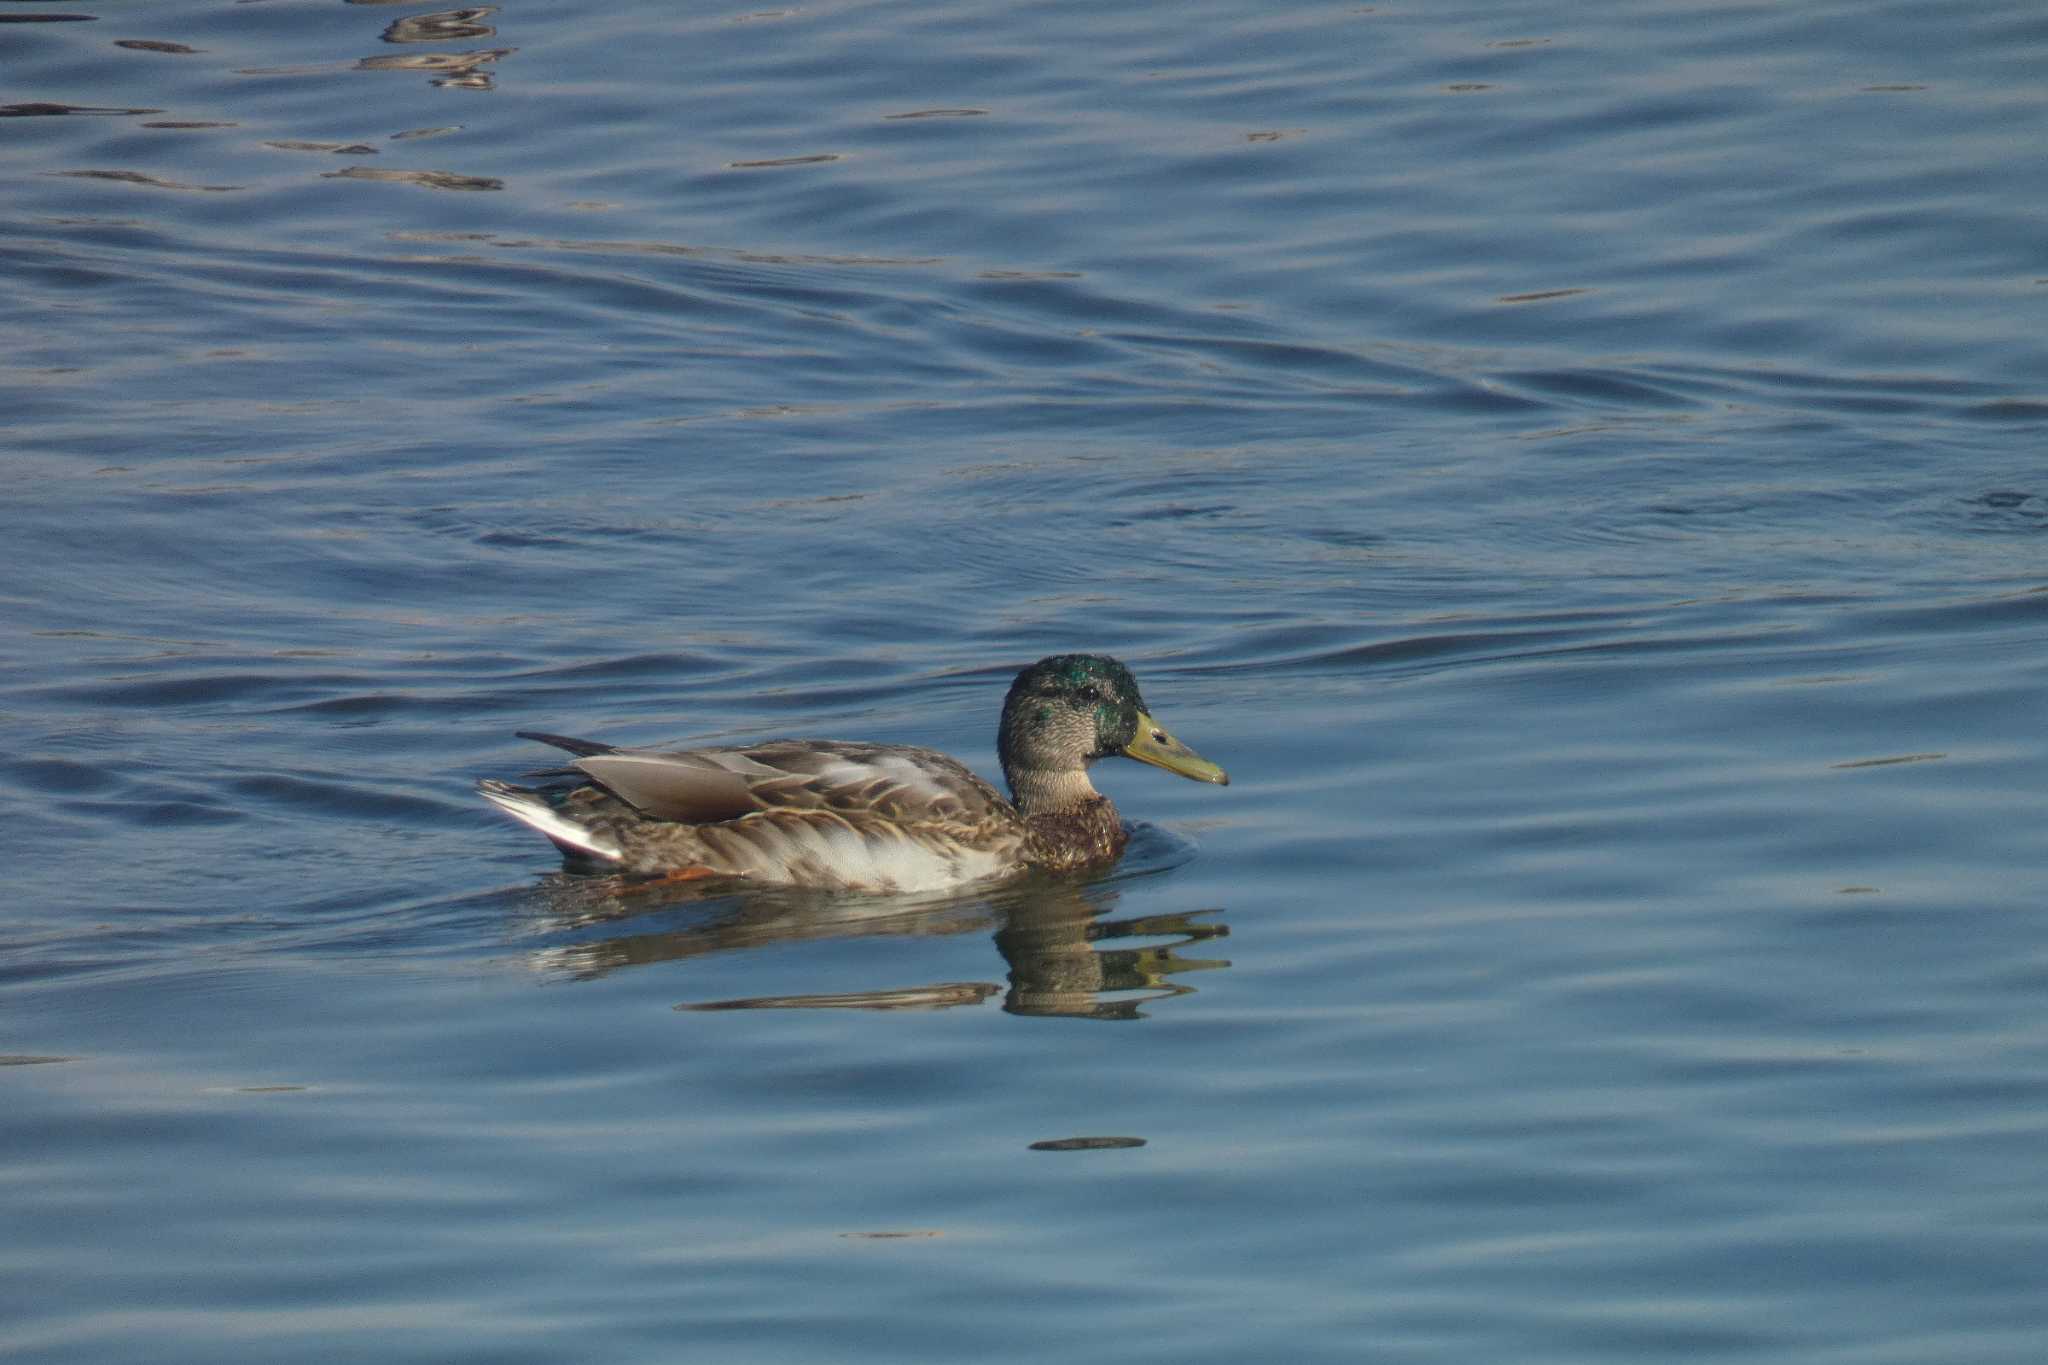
{"points": [[1154, 745]]}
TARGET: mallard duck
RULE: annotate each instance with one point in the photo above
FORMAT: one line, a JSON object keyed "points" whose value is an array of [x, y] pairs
{"points": [[863, 817]]}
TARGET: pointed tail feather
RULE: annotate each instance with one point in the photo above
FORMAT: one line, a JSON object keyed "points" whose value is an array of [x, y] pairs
{"points": [[582, 748], [529, 807]]}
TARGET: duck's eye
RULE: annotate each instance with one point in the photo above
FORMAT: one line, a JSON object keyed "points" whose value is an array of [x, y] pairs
{"points": [[1090, 693]]}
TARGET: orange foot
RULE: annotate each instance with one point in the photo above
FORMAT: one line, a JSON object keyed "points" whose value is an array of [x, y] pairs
{"points": [[687, 874], [668, 878]]}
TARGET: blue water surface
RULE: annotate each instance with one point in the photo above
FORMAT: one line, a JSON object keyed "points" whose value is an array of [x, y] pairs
{"points": [[1579, 468]]}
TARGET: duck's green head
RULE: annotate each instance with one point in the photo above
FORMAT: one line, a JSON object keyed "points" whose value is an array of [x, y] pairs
{"points": [[1065, 712]]}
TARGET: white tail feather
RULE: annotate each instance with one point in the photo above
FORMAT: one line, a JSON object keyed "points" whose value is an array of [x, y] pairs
{"points": [[529, 809]]}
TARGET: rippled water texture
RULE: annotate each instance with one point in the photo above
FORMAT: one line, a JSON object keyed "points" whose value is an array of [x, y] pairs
{"points": [[1578, 467]]}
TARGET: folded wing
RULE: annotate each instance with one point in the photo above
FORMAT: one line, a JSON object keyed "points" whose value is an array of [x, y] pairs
{"points": [[895, 783]]}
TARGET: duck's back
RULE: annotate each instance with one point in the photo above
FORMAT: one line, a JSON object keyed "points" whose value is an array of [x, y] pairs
{"points": [[823, 813]]}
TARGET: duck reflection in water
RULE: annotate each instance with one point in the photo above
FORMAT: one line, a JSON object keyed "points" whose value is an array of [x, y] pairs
{"points": [[1053, 933]]}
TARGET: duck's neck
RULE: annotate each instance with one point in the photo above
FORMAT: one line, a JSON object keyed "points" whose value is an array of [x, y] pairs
{"points": [[1045, 791], [1067, 823]]}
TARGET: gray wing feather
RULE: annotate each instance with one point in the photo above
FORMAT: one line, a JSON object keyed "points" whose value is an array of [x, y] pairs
{"points": [[678, 786]]}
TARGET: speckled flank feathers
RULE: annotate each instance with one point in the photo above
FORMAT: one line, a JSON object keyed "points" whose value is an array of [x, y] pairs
{"points": [[863, 817]]}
